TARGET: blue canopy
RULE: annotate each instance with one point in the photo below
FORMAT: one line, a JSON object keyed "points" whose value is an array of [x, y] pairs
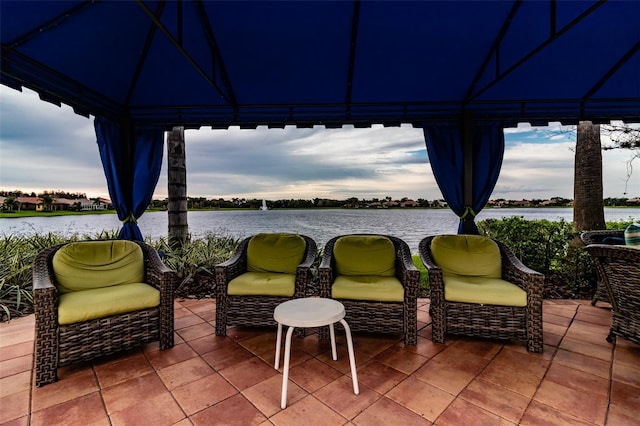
{"points": [[431, 63]]}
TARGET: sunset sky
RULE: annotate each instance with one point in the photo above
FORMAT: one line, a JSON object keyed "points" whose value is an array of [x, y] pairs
{"points": [[46, 147]]}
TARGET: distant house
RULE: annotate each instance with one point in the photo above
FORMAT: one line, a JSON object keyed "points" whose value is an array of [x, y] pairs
{"points": [[95, 204], [63, 204], [633, 202], [409, 203], [28, 203]]}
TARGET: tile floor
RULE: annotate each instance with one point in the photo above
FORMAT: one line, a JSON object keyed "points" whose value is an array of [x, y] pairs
{"points": [[206, 380]]}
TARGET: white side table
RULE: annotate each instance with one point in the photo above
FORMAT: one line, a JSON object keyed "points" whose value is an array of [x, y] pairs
{"points": [[310, 312]]}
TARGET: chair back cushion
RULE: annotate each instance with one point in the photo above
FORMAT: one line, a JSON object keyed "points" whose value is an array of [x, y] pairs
{"points": [[88, 265], [280, 253], [471, 255], [632, 235], [365, 255]]}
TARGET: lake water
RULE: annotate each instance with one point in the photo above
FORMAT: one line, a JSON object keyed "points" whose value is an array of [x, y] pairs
{"points": [[319, 224]]}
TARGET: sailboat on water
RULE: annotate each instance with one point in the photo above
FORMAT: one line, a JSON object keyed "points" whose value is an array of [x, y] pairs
{"points": [[264, 205]]}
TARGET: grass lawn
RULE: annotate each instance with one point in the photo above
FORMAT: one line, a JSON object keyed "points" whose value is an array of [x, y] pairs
{"points": [[33, 213]]}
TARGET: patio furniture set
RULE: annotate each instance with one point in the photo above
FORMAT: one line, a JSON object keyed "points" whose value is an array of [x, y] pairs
{"points": [[95, 298]]}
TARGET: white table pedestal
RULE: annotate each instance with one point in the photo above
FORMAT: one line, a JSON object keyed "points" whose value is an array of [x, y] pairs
{"points": [[310, 312]]}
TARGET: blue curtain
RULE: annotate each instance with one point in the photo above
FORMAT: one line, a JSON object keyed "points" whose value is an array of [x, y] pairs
{"points": [[445, 146], [131, 158]]}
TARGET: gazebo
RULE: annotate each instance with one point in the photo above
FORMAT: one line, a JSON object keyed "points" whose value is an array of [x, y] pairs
{"points": [[459, 70]]}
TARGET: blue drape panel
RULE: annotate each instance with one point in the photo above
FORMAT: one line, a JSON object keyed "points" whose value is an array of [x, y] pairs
{"points": [[131, 162], [445, 147]]}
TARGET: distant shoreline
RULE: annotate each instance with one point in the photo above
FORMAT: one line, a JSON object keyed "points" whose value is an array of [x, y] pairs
{"points": [[32, 213]]}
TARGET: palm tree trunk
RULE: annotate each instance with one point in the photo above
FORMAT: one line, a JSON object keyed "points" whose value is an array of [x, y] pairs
{"points": [[177, 188], [588, 204]]}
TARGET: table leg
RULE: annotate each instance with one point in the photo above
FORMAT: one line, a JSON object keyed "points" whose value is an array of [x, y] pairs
{"points": [[285, 372], [352, 357], [332, 333], [278, 343]]}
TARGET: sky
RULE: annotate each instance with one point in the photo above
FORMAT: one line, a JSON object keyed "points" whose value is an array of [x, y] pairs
{"points": [[46, 147]]}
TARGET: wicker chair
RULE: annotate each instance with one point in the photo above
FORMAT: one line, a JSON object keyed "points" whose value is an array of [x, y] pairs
{"points": [[619, 269], [598, 237], [372, 315], [487, 320], [57, 345], [256, 310]]}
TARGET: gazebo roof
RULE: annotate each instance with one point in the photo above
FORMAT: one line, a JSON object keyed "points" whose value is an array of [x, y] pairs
{"points": [[223, 63]]}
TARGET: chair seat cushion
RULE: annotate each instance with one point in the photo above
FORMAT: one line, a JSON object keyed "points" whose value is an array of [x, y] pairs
{"points": [[482, 290], [275, 253], [473, 255], [262, 284], [365, 255], [367, 287], [79, 306], [85, 265]]}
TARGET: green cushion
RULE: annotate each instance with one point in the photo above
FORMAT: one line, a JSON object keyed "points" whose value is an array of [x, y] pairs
{"points": [[365, 255], [488, 291], [262, 284], [367, 287], [632, 235], [86, 265], [472, 255], [79, 306], [275, 253]]}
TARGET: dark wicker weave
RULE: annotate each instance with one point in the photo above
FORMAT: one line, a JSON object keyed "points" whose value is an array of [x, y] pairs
{"points": [[619, 269], [60, 345], [255, 311], [596, 237], [374, 316], [488, 321]]}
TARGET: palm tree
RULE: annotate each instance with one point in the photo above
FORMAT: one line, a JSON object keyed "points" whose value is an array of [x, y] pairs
{"points": [[588, 203]]}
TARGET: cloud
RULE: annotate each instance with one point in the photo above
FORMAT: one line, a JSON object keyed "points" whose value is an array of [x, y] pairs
{"points": [[43, 146]]}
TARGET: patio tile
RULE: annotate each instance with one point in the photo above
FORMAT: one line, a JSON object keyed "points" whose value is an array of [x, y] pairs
{"points": [[558, 330], [568, 311], [261, 344], [120, 370], [14, 406], [126, 394], [174, 355], [17, 365], [422, 398], [379, 376], [265, 396], [587, 348], [403, 361], [184, 372], [601, 318], [627, 355], [384, 409], [82, 411], [578, 380], [195, 331], [584, 405], [425, 347], [512, 377], [629, 374], [588, 364], [462, 412], [622, 415], [210, 343], [588, 335], [625, 396], [312, 374], [538, 414], [338, 395], [73, 382], [247, 373], [15, 383], [15, 351], [186, 321], [559, 320], [444, 377], [158, 410], [203, 393], [496, 399], [232, 411], [22, 421], [227, 357]]}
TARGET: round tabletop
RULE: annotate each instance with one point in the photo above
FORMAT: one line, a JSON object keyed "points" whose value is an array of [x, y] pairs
{"points": [[309, 312]]}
